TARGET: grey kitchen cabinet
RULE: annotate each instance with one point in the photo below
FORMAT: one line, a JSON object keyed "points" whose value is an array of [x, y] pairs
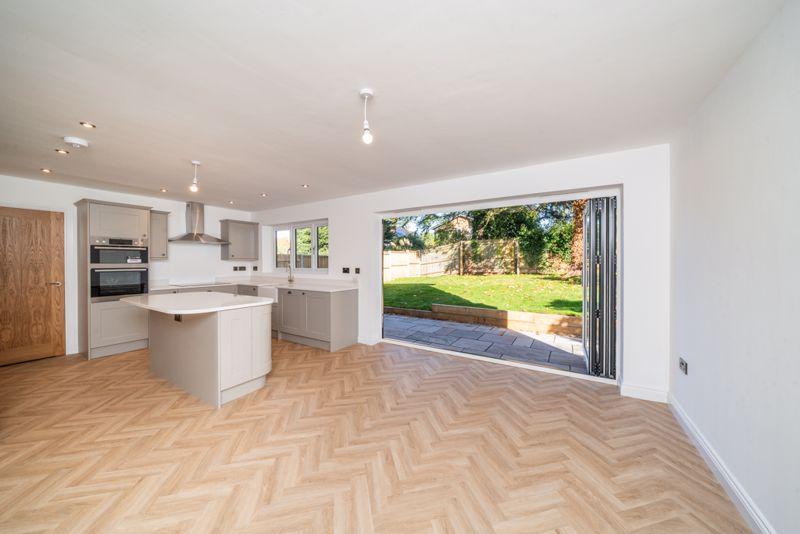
{"points": [[293, 311], [318, 315], [243, 240], [221, 288], [244, 289], [161, 291], [113, 220], [116, 322], [327, 320], [159, 231], [245, 341]]}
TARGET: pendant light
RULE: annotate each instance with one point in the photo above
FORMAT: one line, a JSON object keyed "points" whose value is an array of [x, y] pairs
{"points": [[366, 135], [193, 188]]}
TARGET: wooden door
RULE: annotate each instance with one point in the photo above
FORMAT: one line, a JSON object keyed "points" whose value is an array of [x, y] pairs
{"points": [[31, 285]]}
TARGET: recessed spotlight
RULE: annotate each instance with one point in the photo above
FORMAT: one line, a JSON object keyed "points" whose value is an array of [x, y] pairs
{"points": [[163, 189], [305, 186], [230, 202], [61, 151], [263, 195], [88, 125], [46, 171]]}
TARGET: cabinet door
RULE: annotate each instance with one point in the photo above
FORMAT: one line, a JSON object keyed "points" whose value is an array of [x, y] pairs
{"points": [[235, 347], [158, 235], [248, 290], [243, 239], [318, 315], [293, 312], [116, 322], [262, 341], [118, 221]]}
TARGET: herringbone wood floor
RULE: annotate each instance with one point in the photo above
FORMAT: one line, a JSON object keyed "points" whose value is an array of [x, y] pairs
{"points": [[381, 438]]}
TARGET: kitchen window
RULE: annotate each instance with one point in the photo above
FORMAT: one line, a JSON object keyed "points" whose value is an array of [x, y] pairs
{"points": [[305, 245]]}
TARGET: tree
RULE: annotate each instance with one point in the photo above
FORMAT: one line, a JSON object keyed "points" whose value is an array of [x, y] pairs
{"points": [[577, 234]]}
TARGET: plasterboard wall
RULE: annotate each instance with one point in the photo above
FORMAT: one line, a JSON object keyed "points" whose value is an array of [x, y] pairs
{"points": [[736, 185], [641, 174], [186, 261]]}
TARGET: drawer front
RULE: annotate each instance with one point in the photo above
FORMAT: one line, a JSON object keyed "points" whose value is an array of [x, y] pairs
{"points": [[162, 291], [248, 290]]}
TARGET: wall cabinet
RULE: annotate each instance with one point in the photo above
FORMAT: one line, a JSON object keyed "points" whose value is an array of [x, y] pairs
{"points": [[159, 231], [111, 220], [116, 322], [243, 240], [244, 345], [319, 318]]}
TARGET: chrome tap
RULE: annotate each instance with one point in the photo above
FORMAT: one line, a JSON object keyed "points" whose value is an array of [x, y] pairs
{"points": [[291, 276]]}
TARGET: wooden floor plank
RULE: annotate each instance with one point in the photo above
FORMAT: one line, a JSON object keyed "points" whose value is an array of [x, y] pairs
{"points": [[383, 438]]}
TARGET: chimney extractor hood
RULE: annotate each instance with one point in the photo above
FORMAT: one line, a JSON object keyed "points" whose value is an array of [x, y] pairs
{"points": [[195, 225]]}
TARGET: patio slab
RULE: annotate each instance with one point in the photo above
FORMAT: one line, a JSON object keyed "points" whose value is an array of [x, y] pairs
{"points": [[492, 342]]}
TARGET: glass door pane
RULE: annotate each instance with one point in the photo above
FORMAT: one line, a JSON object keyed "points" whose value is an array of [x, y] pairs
{"points": [[322, 247], [302, 247], [282, 244]]}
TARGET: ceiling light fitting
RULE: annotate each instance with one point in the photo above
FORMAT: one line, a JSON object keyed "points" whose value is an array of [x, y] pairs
{"points": [[46, 171], [76, 142], [193, 188], [305, 186], [366, 134], [61, 151], [87, 125], [163, 189], [263, 195]]}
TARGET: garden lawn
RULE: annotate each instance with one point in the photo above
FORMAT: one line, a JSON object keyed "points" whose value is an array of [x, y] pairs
{"points": [[512, 292]]}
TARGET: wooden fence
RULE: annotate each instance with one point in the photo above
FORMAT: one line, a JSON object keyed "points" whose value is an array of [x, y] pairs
{"points": [[478, 256]]}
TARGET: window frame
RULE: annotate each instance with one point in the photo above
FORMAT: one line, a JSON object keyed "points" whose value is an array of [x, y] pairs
{"points": [[291, 227]]}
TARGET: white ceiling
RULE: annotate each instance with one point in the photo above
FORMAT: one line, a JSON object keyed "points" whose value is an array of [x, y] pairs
{"points": [[265, 93]]}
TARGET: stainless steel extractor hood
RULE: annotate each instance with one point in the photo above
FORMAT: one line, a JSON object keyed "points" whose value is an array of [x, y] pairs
{"points": [[195, 226]]}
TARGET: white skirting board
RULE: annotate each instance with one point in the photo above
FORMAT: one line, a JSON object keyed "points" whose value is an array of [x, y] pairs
{"points": [[643, 393], [747, 507]]}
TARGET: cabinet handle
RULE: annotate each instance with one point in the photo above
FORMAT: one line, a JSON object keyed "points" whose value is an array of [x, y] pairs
{"points": [[57, 284], [289, 292]]}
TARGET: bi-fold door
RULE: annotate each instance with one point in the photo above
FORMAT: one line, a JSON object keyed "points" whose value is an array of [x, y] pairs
{"points": [[600, 286]]}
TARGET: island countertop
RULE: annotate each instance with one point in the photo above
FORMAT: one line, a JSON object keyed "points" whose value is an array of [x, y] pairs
{"points": [[194, 303]]}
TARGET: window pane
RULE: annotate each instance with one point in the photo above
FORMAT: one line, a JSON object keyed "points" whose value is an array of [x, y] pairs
{"points": [[302, 245], [282, 248], [322, 247]]}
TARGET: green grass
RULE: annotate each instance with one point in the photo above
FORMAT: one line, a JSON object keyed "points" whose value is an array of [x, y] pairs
{"points": [[523, 292]]}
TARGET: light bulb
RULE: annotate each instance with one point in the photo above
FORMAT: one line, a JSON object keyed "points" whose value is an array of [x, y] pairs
{"points": [[367, 137], [193, 188]]}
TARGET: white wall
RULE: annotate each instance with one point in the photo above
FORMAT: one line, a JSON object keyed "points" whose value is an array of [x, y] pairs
{"points": [[185, 261], [736, 259], [643, 174]]}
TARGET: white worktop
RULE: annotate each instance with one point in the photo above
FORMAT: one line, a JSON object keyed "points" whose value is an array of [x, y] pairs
{"points": [[300, 284], [194, 303]]}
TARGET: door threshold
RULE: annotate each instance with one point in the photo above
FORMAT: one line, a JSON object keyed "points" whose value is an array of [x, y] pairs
{"points": [[509, 363]]}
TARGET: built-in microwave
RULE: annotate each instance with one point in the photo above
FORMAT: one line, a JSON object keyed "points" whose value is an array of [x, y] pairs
{"points": [[111, 284], [117, 254]]}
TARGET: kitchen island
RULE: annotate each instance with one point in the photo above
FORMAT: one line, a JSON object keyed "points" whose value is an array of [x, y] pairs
{"points": [[216, 346]]}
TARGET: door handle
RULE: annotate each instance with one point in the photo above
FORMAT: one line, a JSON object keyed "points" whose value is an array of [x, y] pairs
{"points": [[57, 284]]}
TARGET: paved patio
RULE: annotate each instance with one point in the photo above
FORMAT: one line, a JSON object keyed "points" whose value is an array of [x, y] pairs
{"points": [[490, 341]]}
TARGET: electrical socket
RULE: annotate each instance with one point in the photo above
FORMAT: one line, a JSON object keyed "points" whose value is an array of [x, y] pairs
{"points": [[683, 366], [346, 270], [358, 270], [255, 267]]}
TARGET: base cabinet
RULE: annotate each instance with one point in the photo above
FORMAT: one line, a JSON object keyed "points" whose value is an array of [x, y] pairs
{"points": [[327, 320], [244, 345], [116, 327]]}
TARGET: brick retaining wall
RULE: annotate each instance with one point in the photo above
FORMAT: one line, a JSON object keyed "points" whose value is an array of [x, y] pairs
{"points": [[541, 323]]}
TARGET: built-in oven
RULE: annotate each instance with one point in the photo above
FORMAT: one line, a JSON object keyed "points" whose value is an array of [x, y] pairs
{"points": [[112, 284], [117, 254]]}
